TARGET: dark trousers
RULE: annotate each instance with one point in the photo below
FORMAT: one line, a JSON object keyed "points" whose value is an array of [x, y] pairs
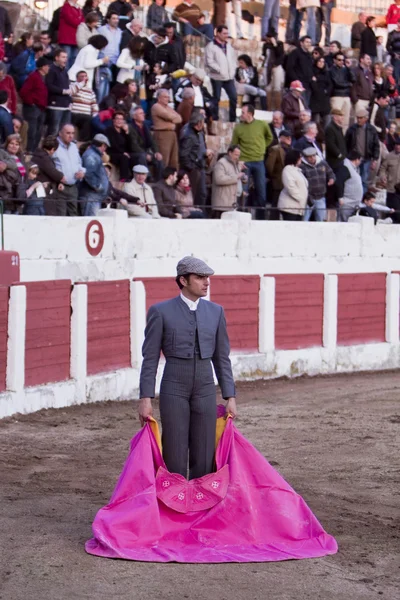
{"points": [[188, 411], [197, 179], [56, 119], [124, 163], [63, 204], [256, 173], [393, 201], [84, 125], [229, 87], [155, 166], [35, 118], [286, 216]]}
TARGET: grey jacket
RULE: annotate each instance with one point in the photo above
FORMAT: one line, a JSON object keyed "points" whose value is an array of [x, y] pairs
{"points": [[171, 328]]}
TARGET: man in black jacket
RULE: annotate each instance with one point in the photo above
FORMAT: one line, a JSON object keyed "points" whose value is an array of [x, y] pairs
{"points": [[58, 85], [393, 47], [336, 149], [202, 98], [363, 137], [143, 145], [342, 81], [193, 156], [177, 42], [124, 10], [378, 115], [42, 157], [299, 66]]}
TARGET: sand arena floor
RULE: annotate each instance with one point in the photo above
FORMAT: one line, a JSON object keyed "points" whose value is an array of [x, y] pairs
{"points": [[334, 439]]}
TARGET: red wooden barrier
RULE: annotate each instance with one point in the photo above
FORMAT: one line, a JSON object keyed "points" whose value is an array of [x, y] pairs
{"points": [[159, 289], [4, 293], [361, 308], [108, 326], [299, 309], [47, 335], [239, 295]]}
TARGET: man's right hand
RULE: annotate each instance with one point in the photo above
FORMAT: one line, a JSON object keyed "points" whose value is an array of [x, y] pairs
{"points": [[3, 166], [145, 410]]}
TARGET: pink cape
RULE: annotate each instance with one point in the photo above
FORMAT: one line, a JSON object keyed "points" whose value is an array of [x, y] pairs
{"points": [[245, 512]]}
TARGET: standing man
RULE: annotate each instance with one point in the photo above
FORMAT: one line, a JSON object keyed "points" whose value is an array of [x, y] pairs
{"points": [[309, 139], [363, 137], [393, 47], [34, 95], [324, 17], [349, 186], [336, 149], [319, 176], [94, 188], [270, 19], [165, 119], [220, 60], [113, 34], [293, 104], [194, 157], [253, 138], [357, 29], [389, 174], [275, 164], [299, 67], [59, 98], [192, 335], [362, 91], [342, 82], [143, 147], [67, 160]]}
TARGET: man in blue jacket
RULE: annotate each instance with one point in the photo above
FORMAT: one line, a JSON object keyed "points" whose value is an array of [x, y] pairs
{"points": [[191, 333], [6, 119], [94, 187]]}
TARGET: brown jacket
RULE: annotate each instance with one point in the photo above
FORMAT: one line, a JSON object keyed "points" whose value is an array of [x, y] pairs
{"points": [[164, 118], [275, 164], [291, 107], [390, 171], [225, 184], [362, 87]]}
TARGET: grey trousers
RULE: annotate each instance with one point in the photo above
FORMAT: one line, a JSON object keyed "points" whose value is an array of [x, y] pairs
{"points": [[188, 410]]}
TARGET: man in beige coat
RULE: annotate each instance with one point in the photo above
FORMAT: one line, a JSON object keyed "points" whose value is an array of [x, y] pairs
{"points": [[146, 207], [220, 61], [228, 176], [165, 119]]}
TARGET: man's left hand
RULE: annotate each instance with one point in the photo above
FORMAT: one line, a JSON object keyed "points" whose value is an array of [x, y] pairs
{"points": [[331, 181], [231, 407], [158, 156]]}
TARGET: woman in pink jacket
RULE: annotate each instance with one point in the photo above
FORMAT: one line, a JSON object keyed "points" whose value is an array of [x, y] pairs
{"points": [[71, 16]]}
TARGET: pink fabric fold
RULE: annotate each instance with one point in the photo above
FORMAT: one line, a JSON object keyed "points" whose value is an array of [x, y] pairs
{"points": [[252, 515]]}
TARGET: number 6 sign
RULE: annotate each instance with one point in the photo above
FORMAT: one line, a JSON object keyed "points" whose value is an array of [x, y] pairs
{"points": [[94, 238]]}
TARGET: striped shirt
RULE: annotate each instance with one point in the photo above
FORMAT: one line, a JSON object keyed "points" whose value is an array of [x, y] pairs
{"points": [[83, 102]]}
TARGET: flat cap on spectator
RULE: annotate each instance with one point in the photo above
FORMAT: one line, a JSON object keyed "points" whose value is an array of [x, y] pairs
{"points": [[362, 112], [337, 112], [200, 74], [140, 169], [309, 151], [190, 264], [285, 133], [297, 85], [42, 62], [100, 137]]}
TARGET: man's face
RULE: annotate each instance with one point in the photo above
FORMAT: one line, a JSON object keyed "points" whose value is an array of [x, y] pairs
{"points": [[62, 59], [312, 132], [361, 121], [223, 35], [285, 141], [304, 117], [383, 102], [136, 28], [172, 178], [45, 69], [139, 115], [246, 116], [196, 285], [113, 21], [195, 80], [235, 155], [158, 39], [339, 60], [170, 32], [311, 159], [338, 119], [17, 125], [363, 16], [277, 120], [333, 48], [2, 75], [45, 40], [140, 178], [119, 120], [366, 61], [163, 98], [67, 134], [306, 44]]}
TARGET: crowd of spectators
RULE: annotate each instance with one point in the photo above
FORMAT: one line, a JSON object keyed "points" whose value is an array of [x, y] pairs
{"points": [[106, 110]]}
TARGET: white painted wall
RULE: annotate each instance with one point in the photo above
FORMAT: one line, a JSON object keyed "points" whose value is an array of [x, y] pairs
{"points": [[54, 248]]}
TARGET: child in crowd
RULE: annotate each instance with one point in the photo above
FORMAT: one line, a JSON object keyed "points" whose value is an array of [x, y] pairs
{"points": [[368, 208], [32, 193]]}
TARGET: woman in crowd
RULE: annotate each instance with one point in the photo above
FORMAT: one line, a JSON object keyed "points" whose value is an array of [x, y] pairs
{"points": [[130, 62], [321, 87], [368, 39], [91, 6], [293, 198], [157, 15], [13, 176], [32, 193], [88, 59], [391, 136], [25, 42], [246, 80], [87, 29], [24, 62], [123, 96], [184, 198], [380, 83]]}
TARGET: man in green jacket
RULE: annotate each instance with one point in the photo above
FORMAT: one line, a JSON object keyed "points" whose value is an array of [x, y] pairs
{"points": [[253, 138]]}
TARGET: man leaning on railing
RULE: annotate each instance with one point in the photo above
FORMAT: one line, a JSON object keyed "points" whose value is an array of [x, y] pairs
{"points": [[192, 18]]}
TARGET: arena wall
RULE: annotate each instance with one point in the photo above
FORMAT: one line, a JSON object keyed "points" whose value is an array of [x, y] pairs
{"points": [[299, 298]]}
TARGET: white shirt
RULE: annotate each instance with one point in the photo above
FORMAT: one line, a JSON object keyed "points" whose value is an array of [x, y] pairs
{"points": [[192, 305], [198, 96]]}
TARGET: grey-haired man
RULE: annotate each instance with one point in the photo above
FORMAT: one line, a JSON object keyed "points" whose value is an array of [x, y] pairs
{"points": [[191, 333]]}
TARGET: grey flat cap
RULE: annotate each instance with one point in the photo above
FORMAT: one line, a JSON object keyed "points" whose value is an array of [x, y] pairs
{"points": [[103, 139], [140, 169], [190, 264], [309, 151]]}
